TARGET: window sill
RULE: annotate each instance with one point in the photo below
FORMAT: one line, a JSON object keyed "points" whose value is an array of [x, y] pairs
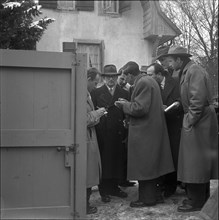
{"points": [[110, 14]]}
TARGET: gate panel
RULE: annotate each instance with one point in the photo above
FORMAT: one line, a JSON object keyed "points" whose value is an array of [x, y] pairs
{"points": [[33, 101], [39, 121], [33, 177]]}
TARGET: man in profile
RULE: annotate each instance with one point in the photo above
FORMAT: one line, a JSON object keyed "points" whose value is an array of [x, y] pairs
{"points": [[149, 154], [122, 81]]}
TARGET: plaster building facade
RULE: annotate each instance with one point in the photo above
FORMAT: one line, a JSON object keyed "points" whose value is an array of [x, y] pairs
{"points": [[108, 31]]}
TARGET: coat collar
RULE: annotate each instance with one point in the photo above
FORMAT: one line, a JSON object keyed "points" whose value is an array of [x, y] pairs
{"points": [[137, 78], [187, 66], [89, 101]]}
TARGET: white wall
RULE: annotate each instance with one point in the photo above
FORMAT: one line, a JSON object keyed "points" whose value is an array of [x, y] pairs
{"points": [[122, 35]]}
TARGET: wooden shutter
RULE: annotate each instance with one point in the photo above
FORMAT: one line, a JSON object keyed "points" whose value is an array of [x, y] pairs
{"points": [[69, 47], [48, 4], [85, 5], [124, 6]]}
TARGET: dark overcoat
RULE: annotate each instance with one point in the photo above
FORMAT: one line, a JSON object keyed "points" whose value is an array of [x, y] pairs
{"points": [[170, 93], [93, 154], [149, 154], [198, 153], [111, 132]]}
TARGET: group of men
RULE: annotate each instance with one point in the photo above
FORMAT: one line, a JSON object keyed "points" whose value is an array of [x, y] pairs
{"points": [[142, 136]]}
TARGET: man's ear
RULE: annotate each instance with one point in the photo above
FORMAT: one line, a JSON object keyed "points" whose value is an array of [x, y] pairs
{"points": [[89, 79], [159, 74], [178, 59]]}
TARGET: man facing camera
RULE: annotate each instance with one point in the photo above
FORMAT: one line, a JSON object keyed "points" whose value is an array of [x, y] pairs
{"points": [[111, 134]]}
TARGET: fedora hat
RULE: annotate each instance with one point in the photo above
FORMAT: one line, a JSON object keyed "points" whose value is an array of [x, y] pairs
{"points": [[177, 51], [161, 51], [110, 70]]}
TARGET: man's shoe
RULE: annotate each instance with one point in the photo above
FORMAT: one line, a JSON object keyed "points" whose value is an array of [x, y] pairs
{"points": [[168, 193], [188, 208], [139, 204], [127, 184], [187, 201], [119, 193], [91, 210], [105, 199], [159, 200]]}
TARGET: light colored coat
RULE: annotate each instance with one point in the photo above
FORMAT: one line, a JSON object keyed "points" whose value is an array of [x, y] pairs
{"points": [[149, 154], [198, 153], [93, 154]]}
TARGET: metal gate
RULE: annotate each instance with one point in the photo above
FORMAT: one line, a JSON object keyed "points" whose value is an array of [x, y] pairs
{"points": [[43, 135]]}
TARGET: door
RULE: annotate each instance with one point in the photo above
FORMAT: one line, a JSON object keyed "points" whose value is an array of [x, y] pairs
{"points": [[43, 146], [93, 48]]}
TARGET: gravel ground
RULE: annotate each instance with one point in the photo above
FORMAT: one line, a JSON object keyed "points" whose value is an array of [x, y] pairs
{"points": [[119, 209]]}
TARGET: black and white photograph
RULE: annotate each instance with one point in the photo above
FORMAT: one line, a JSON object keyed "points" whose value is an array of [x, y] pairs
{"points": [[109, 110]]}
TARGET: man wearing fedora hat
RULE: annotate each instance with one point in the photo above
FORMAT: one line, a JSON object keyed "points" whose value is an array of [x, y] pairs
{"points": [[110, 134], [161, 51], [198, 153]]}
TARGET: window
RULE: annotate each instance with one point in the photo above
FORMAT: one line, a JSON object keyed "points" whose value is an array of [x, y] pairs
{"points": [[66, 5], [93, 48], [111, 7]]}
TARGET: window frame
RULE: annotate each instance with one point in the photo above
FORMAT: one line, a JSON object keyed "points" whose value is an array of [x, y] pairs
{"points": [[67, 8], [100, 43], [110, 13]]}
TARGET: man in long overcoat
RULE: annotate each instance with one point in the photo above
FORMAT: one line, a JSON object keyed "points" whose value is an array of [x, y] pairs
{"points": [[149, 154], [93, 154], [169, 88], [198, 153], [111, 134]]}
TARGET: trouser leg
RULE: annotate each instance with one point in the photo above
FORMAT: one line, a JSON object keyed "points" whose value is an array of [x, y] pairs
{"points": [[207, 191], [197, 193], [113, 185], [159, 188], [103, 186], [88, 196], [107, 186], [170, 183], [147, 191]]}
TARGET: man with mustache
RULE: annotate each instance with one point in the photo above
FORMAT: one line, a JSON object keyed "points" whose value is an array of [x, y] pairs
{"points": [[111, 134]]}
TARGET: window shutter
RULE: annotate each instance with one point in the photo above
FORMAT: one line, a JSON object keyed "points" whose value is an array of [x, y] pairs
{"points": [[69, 47], [124, 6], [48, 4], [85, 5]]}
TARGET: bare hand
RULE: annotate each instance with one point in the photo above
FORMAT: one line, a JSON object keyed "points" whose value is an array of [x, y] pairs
{"points": [[119, 104], [101, 111], [164, 107], [121, 99]]}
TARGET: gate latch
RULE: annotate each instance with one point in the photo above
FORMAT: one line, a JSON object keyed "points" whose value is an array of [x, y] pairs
{"points": [[72, 148], [69, 152]]}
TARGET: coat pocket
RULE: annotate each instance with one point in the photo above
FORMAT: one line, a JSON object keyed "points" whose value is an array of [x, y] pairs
{"points": [[186, 125]]}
